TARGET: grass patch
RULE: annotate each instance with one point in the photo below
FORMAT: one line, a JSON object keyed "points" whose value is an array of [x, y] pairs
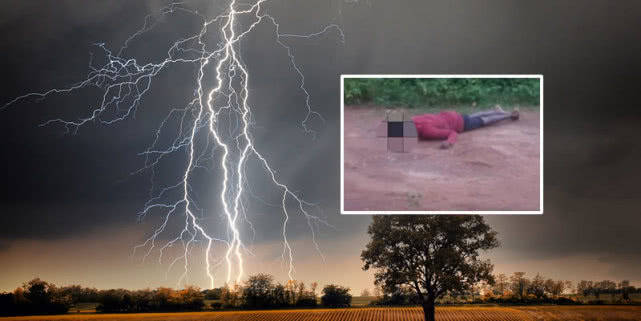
{"points": [[432, 93], [462, 109], [359, 301], [84, 307]]}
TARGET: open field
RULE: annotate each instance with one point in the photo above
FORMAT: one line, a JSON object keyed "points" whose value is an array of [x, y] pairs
{"points": [[361, 314], [360, 301], [85, 307], [580, 313], [492, 168], [532, 313]]}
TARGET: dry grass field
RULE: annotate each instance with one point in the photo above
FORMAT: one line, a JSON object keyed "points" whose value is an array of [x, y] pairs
{"points": [[534, 313], [581, 313]]}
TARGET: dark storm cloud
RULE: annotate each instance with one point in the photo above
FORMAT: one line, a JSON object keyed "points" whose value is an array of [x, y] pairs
{"points": [[587, 51], [4, 246], [64, 184], [592, 196]]}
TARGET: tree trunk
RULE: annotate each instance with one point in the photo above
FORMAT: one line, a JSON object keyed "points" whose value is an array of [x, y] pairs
{"points": [[428, 309]]}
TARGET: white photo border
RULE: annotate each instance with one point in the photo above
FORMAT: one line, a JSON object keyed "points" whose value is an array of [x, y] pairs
{"points": [[342, 145]]}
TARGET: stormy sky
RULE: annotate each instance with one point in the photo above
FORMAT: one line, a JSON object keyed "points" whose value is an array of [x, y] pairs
{"points": [[68, 202]]}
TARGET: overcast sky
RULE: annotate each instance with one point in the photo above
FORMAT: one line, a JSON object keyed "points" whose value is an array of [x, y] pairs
{"points": [[68, 203]]}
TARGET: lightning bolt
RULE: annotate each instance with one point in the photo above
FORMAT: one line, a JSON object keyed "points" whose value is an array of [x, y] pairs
{"points": [[204, 131]]}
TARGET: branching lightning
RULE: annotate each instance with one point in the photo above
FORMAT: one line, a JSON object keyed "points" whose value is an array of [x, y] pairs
{"points": [[203, 132]]}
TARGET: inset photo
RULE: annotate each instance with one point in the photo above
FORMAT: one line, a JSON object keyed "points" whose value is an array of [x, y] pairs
{"points": [[442, 144]]}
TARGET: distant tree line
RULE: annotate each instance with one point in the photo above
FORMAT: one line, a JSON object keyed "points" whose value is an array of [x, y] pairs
{"points": [[617, 291], [159, 300], [41, 297], [260, 291], [35, 297], [519, 289]]}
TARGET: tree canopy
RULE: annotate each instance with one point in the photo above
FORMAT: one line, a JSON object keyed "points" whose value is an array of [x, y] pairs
{"points": [[433, 255]]}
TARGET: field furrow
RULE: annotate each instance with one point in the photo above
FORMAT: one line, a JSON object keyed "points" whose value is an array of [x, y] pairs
{"points": [[530, 313]]}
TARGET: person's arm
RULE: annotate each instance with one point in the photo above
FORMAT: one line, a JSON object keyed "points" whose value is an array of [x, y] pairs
{"points": [[451, 139]]}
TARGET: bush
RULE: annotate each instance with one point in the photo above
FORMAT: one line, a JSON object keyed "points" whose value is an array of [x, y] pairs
{"points": [[336, 296], [413, 92]]}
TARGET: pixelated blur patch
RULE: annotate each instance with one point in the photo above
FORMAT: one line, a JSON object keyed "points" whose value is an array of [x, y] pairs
{"points": [[396, 144], [409, 129], [400, 132], [395, 129]]}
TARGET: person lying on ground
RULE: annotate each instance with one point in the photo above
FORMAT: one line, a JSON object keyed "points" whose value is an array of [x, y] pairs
{"points": [[447, 124]]}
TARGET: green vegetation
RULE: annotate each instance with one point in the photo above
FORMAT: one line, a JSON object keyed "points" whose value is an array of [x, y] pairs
{"points": [[424, 93]]}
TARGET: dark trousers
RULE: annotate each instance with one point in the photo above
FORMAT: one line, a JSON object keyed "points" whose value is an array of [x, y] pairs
{"points": [[471, 122], [483, 118]]}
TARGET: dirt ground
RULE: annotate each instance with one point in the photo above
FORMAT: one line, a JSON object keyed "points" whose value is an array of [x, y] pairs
{"points": [[495, 168]]}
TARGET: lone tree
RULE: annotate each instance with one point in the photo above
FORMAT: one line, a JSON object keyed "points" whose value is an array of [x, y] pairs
{"points": [[433, 255]]}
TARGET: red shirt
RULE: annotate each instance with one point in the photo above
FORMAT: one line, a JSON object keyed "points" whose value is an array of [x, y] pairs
{"points": [[444, 125]]}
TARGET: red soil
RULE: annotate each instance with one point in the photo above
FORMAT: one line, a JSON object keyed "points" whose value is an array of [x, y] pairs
{"points": [[495, 168]]}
